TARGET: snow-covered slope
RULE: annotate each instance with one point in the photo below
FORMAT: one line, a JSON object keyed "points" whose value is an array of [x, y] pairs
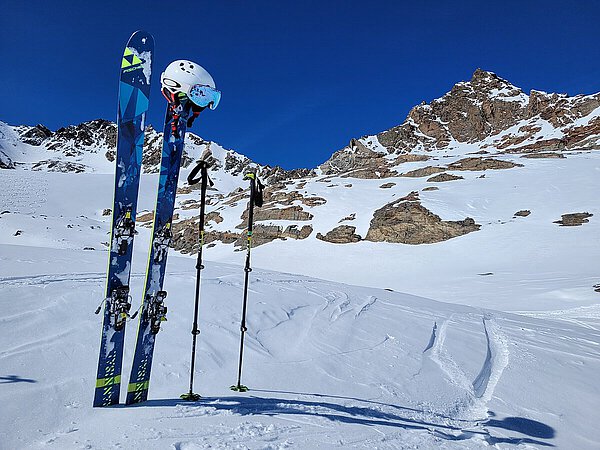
{"points": [[372, 323], [329, 365]]}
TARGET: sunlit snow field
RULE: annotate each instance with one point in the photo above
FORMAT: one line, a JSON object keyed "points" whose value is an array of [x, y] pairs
{"points": [[489, 339]]}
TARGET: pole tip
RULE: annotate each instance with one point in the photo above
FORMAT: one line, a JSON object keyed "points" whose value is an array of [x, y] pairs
{"points": [[190, 397], [239, 388]]}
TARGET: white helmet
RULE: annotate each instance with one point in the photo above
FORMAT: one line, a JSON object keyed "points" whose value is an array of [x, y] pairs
{"points": [[191, 79]]}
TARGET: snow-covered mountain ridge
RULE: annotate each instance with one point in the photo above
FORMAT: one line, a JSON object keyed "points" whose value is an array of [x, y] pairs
{"points": [[482, 129], [486, 115]]}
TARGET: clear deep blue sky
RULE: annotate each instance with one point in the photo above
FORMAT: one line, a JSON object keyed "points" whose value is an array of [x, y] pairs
{"points": [[299, 78]]}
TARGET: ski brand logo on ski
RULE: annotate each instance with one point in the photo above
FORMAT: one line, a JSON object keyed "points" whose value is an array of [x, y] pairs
{"points": [[130, 61]]}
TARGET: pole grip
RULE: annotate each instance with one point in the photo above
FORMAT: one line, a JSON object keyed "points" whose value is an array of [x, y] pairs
{"points": [[192, 179]]}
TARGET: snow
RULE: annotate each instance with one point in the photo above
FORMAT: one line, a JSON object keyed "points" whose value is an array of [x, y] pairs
{"points": [[487, 340], [510, 93], [329, 366]]}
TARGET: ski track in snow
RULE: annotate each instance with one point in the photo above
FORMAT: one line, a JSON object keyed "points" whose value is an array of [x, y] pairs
{"points": [[36, 280], [444, 361], [496, 360], [580, 316], [479, 392], [45, 279], [365, 306]]}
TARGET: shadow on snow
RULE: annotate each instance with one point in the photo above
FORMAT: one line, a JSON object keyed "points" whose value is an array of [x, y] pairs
{"points": [[371, 416], [15, 379]]}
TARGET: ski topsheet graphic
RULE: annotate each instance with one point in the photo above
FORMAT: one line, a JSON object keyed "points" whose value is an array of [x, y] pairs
{"points": [[134, 92], [153, 309]]}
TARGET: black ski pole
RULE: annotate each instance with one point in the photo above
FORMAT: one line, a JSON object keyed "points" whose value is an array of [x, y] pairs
{"points": [[255, 199], [205, 180]]}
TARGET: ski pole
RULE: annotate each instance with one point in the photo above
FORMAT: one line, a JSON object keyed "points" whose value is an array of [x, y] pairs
{"points": [[205, 180], [255, 199]]}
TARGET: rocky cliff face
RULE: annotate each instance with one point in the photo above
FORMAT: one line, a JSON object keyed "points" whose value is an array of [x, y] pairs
{"points": [[484, 124], [488, 112]]}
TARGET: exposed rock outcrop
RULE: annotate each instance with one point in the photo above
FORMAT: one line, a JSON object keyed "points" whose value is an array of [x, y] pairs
{"points": [[358, 161], [185, 234], [293, 213], [343, 234], [543, 155], [59, 166], [442, 177], [406, 221], [423, 172], [522, 213], [574, 219], [479, 164], [5, 161], [36, 135], [348, 218]]}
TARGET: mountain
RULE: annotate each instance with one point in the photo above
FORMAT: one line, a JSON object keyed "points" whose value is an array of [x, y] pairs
{"points": [[486, 115], [426, 287], [482, 125]]}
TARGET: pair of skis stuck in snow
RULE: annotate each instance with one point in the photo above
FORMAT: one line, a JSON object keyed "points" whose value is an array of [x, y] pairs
{"points": [[189, 89]]}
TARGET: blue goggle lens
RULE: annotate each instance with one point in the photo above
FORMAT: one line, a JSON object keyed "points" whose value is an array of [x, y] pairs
{"points": [[204, 96]]}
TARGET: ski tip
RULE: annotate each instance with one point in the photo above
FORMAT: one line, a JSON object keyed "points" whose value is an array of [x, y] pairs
{"points": [[142, 33], [142, 37]]}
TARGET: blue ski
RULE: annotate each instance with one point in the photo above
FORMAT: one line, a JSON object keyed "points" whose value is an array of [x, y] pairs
{"points": [[153, 308], [134, 93]]}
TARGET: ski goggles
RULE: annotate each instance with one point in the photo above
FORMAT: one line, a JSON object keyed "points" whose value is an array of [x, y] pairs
{"points": [[200, 94], [204, 96]]}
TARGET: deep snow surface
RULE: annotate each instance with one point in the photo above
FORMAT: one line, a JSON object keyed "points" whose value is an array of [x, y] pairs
{"points": [[330, 365]]}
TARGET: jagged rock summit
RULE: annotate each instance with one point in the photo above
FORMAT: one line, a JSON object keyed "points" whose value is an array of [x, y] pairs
{"points": [[487, 113]]}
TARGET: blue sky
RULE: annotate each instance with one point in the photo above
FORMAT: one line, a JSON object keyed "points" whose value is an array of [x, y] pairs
{"points": [[299, 79]]}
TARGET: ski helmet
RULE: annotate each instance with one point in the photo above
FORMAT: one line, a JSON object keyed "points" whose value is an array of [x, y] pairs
{"points": [[191, 79]]}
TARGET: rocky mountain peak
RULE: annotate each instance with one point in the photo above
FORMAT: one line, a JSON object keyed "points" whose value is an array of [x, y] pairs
{"points": [[471, 111], [486, 81], [36, 135], [487, 112]]}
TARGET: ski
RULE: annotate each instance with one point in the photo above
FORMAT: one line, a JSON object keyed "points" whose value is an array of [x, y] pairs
{"points": [[153, 308], [189, 89], [134, 93]]}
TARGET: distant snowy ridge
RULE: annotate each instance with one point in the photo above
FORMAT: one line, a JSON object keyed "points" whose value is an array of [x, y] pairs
{"points": [[90, 147], [486, 114]]}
